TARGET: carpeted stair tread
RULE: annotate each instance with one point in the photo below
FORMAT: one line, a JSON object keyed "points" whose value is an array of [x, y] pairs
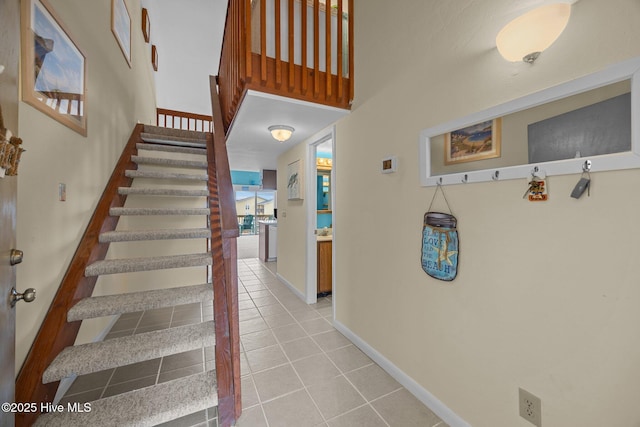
{"points": [[108, 305], [164, 175], [171, 148], [180, 133], [158, 161], [144, 407], [146, 191], [158, 211], [138, 235], [98, 356], [129, 265]]}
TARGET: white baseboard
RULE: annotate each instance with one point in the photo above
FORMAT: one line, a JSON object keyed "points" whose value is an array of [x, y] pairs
{"points": [[423, 395], [291, 287], [65, 383]]}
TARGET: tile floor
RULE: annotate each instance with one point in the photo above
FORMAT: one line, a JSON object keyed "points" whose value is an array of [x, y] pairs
{"points": [[297, 369]]}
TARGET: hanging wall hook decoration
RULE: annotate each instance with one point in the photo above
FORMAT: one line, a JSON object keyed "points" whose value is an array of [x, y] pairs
{"points": [[10, 151], [584, 183], [440, 242], [537, 187]]}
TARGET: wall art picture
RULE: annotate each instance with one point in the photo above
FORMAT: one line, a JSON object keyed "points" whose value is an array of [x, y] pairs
{"points": [[121, 27], [146, 25], [53, 67], [476, 142], [294, 181]]}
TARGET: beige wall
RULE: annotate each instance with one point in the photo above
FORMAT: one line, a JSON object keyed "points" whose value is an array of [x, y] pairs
{"points": [[117, 97], [292, 222], [547, 294]]}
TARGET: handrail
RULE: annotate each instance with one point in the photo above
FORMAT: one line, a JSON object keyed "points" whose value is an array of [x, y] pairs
{"points": [[256, 54], [182, 120], [55, 332], [224, 231]]}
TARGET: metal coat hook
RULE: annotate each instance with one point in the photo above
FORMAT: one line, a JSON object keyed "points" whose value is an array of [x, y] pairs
{"points": [[495, 175], [440, 181], [586, 166], [465, 178]]}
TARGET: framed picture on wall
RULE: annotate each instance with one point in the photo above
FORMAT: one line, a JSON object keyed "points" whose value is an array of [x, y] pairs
{"points": [[121, 27], [146, 25], [294, 181], [154, 57], [476, 142], [54, 68]]}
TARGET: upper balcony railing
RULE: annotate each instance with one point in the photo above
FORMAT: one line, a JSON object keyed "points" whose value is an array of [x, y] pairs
{"points": [[299, 49]]}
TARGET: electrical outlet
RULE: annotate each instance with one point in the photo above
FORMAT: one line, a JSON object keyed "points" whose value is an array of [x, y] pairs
{"points": [[530, 407]]}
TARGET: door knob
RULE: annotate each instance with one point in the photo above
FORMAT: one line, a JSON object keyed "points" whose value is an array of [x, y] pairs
{"points": [[15, 257], [28, 296]]}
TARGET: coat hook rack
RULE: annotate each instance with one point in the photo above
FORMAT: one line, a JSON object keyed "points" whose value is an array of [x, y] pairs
{"points": [[586, 166]]}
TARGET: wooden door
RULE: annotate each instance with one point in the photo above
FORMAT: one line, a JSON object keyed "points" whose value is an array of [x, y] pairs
{"points": [[9, 53], [324, 267]]}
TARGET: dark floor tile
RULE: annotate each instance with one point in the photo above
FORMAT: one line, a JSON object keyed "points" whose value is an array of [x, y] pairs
{"points": [[181, 360], [90, 382], [129, 386], [135, 371], [191, 420]]}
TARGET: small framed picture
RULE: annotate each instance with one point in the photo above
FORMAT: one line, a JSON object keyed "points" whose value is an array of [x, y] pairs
{"points": [[121, 27], [154, 57], [294, 181], [146, 25], [476, 142], [54, 69]]}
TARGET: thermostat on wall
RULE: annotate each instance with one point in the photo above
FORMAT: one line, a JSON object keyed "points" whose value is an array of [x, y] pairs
{"points": [[389, 164]]}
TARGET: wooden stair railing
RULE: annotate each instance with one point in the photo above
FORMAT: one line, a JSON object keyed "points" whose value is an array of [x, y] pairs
{"points": [[55, 332], [224, 231], [182, 120], [245, 63]]}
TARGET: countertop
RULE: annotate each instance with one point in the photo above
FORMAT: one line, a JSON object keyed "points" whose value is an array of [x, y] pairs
{"points": [[324, 238]]}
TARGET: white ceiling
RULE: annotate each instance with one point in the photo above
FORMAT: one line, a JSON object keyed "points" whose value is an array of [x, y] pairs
{"points": [[188, 36]]}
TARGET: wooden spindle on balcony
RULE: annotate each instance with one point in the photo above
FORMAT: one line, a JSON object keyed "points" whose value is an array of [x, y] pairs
{"points": [[303, 38], [327, 42], [291, 39], [263, 41], [316, 48], [340, 52], [278, 40]]}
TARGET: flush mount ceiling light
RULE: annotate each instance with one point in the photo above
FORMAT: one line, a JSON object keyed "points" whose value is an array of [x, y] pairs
{"points": [[524, 38], [281, 132]]}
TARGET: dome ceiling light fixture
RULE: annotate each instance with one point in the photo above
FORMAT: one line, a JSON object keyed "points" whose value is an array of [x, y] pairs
{"points": [[281, 133], [524, 38]]}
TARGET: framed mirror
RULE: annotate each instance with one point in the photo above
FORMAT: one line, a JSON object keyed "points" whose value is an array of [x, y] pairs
{"points": [[587, 122]]}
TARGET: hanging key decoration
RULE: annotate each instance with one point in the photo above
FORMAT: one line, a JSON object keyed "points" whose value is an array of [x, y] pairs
{"points": [[440, 247], [537, 189]]}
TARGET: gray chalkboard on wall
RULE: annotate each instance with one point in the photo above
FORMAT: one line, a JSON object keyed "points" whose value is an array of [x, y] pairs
{"points": [[601, 128]]}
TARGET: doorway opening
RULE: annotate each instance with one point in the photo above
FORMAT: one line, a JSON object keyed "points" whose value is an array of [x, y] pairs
{"points": [[253, 207]]}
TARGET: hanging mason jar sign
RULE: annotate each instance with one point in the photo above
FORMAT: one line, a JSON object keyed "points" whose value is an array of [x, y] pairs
{"points": [[440, 247]]}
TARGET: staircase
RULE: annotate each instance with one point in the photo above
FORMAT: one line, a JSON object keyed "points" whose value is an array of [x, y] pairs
{"points": [[168, 172]]}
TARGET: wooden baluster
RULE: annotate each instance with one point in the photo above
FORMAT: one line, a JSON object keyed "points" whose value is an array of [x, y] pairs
{"points": [[303, 41], [316, 48], [339, 53], [278, 42], [247, 40], [263, 41], [292, 53], [351, 76], [328, 48]]}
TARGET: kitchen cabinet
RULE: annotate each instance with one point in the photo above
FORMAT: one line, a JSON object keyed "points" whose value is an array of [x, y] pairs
{"points": [[325, 248]]}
